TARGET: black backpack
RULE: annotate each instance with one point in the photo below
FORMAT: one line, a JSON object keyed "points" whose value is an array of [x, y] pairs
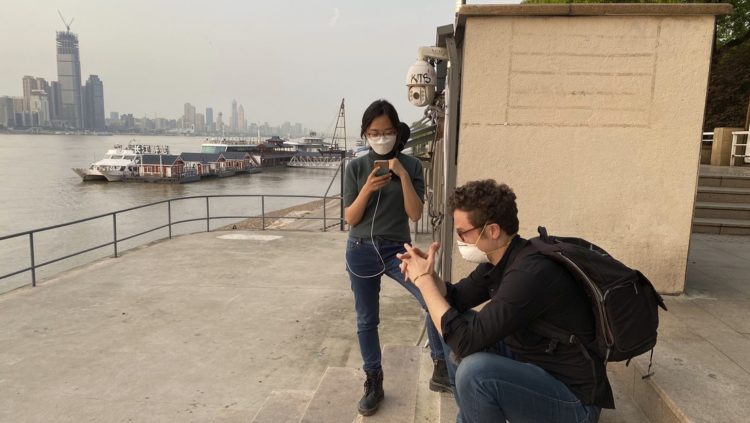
{"points": [[624, 302]]}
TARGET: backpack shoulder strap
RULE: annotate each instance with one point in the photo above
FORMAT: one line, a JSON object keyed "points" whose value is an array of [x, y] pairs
{"points": [[518, 254], [553, 332]]}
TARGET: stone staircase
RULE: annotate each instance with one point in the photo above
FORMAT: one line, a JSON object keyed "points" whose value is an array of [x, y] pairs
{"points": [[407, 370], [722, 204]]}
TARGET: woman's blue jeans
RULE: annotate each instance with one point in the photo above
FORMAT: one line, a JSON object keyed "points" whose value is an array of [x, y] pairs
{"points": [[493, 387], [365, 269]]}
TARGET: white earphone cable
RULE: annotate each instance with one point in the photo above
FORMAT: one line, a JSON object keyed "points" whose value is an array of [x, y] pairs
{"points": [[372, 239]]}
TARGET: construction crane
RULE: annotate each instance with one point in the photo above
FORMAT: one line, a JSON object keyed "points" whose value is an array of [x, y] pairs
{"points": [[67, 24]]}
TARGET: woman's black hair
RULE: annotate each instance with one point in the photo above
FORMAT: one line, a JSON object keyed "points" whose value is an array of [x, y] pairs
{"points": [[376, 109], [404, 132]]}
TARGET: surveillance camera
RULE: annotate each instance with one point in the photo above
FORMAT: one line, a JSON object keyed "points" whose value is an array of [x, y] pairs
{"points": [[420, 82], [420, 95]]}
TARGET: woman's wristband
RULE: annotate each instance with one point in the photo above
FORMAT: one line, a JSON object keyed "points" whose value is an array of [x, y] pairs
{"points": [[414, 281]]}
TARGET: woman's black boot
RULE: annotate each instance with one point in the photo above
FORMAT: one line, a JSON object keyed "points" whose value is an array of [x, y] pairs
{"points": [[368, 405]]}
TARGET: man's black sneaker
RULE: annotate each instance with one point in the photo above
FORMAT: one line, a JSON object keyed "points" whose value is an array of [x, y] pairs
{"points": [[368, 405], [440, 381]]}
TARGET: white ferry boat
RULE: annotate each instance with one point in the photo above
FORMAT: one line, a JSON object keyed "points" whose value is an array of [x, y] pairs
{"points": [[119, 161], [312, 143]]}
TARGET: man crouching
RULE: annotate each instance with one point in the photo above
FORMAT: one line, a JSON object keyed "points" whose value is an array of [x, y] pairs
{"points": [[505, 370]]}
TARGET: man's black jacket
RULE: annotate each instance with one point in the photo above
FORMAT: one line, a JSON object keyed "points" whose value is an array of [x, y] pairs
{"points": [[534, 288]]}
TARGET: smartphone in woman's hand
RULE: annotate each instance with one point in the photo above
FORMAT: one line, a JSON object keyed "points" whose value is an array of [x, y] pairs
{"points": [[382, 166]]}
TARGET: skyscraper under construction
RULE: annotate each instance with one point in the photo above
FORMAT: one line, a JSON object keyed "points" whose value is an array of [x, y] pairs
{"points": [[69, 79]]}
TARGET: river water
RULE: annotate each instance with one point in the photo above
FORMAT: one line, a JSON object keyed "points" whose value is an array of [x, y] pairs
{"points": [[39, 189]]}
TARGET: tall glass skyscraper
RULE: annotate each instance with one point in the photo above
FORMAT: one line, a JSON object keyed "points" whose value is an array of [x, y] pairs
{"points": [[93, 104], [69, 79], [210, 119]]}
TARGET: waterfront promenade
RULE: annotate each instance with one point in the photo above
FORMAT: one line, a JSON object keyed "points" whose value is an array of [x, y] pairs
{"points": [[204, 327], [199, 328]]}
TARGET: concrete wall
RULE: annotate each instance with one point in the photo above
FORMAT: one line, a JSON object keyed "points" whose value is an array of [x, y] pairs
{"points": [[595, 122]]}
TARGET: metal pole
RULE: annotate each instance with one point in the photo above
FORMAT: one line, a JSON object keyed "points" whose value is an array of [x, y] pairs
{"points": [[324, 213], [341, 207], [114, 231], [169, 217], [33, 266], [450, 138], [263, 212], [208, 222]]}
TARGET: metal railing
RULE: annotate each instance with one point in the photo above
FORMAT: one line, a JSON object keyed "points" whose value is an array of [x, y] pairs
{"points": [[207, 218]]}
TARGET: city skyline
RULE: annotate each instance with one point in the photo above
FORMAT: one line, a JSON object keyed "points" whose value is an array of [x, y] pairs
{"points": [[283, 60]]}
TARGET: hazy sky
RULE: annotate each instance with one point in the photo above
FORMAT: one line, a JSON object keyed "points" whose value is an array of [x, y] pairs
{"points": [[282, 59]]}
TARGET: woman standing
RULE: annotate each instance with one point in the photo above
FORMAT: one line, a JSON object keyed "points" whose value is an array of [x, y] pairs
{"points": [[378, 205]]}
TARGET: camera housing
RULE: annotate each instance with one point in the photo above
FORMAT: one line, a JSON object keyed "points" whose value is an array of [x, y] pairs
{"points": [[420, 82], [421, 79]]}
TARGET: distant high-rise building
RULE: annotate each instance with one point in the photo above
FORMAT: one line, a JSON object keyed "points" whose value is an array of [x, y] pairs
{"points": [[219, 123], [38, 113], [210, 119], [40, 116], [114, 115], [161, 124], [20, 118], [31, 83], [200, 123], [55, 103], [188, 118], [7, 115], [127, 121], [241, 122], [233, 117], [93, 101], [69, 79]]}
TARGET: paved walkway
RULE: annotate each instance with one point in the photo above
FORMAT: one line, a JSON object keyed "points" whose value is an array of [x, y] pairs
{"points": [[200, 328], [203, 327]]}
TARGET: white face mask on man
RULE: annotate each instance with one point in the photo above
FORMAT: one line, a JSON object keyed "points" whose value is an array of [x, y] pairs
{"points": [[472, 253], [382, 144]]}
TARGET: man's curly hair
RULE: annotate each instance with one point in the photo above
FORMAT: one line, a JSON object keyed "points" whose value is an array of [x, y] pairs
{"points": [[487, 201]]}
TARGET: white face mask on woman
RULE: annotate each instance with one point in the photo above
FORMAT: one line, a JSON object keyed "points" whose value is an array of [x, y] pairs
{"points": [[382, 144]]}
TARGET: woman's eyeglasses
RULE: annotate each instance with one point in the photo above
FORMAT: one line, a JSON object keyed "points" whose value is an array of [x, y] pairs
{"points": [[376, 134]]}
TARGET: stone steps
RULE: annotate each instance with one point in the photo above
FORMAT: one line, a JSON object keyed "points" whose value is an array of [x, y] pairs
{"points": [[401, 365], [722, 202], [712, 210], [335, 400], [723, 195], [726, 181], [407, 370], [721, 226]]}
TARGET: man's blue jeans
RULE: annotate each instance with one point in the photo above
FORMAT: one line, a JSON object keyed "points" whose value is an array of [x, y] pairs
{"points": [[365, 270], [493, 387]]}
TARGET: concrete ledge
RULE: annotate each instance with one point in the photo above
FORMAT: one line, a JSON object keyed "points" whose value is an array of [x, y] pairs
{"points": [[700, 368], [618, 9]]}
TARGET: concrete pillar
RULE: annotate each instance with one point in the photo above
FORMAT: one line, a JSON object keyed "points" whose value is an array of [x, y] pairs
{"points": [[593, 114]]}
